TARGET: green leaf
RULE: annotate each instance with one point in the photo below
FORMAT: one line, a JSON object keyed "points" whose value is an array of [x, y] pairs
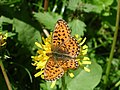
{"points": [[89, 8], [27, 34], [5, 19], [73, 4], [47, 86], [107, 2], [78, 27], [86, 80], [98, 7], [47, 19], [100, 4]]}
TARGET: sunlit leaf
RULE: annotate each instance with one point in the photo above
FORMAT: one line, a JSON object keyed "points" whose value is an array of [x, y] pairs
{"points": [[78, 27], [47, 19], [86, 80], [89, 7], [27, 34], [100, 4]]}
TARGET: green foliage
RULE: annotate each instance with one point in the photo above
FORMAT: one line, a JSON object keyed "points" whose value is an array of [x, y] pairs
{"points": [[100, 5], [78, 27], [27, 34], [24, 22], [73, 4], [50, 21], [85, 80]]}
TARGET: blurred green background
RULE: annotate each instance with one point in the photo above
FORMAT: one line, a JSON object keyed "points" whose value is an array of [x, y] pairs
{"points": [[24, 21]]}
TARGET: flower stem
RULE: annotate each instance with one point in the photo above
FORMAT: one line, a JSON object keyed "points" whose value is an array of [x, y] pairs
{"points": [[63, 83], [113, 45], [5, 75]]}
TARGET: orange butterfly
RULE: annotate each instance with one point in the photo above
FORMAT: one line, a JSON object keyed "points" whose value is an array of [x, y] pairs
{"points": [[64, 49]]}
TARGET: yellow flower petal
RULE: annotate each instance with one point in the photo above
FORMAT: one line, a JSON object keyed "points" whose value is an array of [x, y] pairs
{"points": [[71, 75], [117, 84], [53, 84], [40, 51], [84, 52], [3, 44], [79, 63], [6, 35], [42, 76], [32, 57], [41, 64], [3, 39], [86, 62], [77, 59], [85, 47], [83, 41], [43, 39], [79, 40], [39, 73], [86, 58], [38, 44], [86, 69], [76, 36], [35, 63]]}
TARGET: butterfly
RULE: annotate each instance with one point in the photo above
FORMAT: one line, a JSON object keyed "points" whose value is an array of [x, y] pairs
{"points": [[65, 50]]}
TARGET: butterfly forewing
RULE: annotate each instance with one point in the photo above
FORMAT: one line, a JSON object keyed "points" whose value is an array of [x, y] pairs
{"points": [[61, 34], [62, 41], [70, 48]]}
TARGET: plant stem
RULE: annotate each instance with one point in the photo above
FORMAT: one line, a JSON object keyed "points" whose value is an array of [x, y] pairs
{"points": [[113, 45], [63, 83], [5, 75], [46, 4], [46, 32]]}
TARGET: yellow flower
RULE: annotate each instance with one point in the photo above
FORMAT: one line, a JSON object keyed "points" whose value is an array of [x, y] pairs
{"points": [[3, 38], [41, 58]]}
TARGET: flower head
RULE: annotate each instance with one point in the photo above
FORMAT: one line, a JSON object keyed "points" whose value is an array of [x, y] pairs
{"points": [[82, 59], [41, 58]]}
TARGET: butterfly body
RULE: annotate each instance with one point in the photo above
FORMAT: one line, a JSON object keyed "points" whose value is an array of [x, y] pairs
{"points": [[64, 49]]}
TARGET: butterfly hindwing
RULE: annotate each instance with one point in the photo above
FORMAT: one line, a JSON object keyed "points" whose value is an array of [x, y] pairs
{"points": [[52, 70], [68, 63]]}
